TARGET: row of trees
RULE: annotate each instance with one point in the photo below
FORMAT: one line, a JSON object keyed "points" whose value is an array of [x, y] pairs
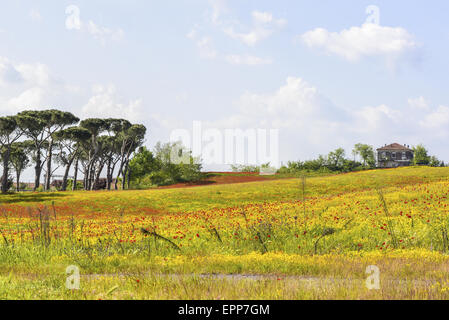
{"points": [[363, 158], [335, 161], [51, 139]]}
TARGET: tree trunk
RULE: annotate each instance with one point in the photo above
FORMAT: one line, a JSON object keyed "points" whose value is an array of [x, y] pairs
{"points": [[66, 174], [18, 180], [90, 174], [97, 174], [5, 169], [124, 176], [85, 179], [111, 174], [75, 175], [129, 176], [37, 170], [118, 175], [108, 175], [49, 156], [123, 179], [91, 177], [87, 175]]}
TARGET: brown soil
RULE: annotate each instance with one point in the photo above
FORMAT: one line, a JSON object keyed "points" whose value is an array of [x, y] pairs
{"points": [[227, 178]]}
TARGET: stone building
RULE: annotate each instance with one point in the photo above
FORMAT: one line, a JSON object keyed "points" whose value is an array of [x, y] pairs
{"points": [[394, 155]]}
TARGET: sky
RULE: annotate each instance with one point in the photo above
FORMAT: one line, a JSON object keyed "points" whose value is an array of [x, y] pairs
{"points": [[324, 74]]}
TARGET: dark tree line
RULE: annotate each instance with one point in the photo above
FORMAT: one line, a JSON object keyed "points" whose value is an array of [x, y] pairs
{"points": [[51, 139]]}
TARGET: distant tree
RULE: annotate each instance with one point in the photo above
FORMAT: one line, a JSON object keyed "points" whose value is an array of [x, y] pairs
{"points": [[335, 159], [189, 170], [316, 164], [350, 165], [9, 133], [143, 164], [366, 153], [434, 162], [421, 155], [293, 166], [245, 168], [20, 159]]}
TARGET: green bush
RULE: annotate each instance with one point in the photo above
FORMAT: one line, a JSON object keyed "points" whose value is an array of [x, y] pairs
{"points": [[162, 178], [148, 169], [79, 185]]}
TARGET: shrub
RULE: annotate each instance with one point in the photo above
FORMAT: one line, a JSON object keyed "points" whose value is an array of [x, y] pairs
{"points": [[162, 178]]}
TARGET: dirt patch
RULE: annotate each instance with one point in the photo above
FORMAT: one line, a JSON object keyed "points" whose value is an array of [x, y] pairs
{"points": [[221, 178]]}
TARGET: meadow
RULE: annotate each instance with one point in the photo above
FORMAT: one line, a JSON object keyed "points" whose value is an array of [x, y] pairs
{"points": [[297, 238]]}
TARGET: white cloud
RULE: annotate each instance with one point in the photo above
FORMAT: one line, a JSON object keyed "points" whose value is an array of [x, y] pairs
{"points": [[357, 42], [311, 124], [438, 119], [9, 73], [247, 60], [380, 118], [31, 98], [26, 85], [262, 17], [419, 103], [308, 122], [35, 73], [251, 38], [206, 48], [193, 33], [263, 27], [105, 102], [218, 8], [204, 44], [267, 18], [296, 102], [295, 105], [102, 34]]}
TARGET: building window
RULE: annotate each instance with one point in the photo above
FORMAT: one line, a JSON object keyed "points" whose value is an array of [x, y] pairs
{"points": [[404, 156], [383, 155], [393, 155]]}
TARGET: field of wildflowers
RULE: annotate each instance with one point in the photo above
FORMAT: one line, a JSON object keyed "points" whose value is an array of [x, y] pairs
{"points": [[293, 233]]}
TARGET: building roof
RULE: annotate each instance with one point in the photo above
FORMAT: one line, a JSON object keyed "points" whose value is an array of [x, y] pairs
{"points": [[395, 147]]}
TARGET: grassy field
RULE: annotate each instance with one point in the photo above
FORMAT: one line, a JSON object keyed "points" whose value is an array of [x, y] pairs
{"points": [[274, 239]]}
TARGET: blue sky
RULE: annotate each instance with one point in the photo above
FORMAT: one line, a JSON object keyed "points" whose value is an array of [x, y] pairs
{"points": [[320, 72]]}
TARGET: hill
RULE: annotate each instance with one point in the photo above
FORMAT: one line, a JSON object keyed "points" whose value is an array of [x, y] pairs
{"points": [[322, 227]]}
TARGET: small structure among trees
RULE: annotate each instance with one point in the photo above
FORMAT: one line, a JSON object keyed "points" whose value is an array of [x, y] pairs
{"points": [[395, 155]]}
